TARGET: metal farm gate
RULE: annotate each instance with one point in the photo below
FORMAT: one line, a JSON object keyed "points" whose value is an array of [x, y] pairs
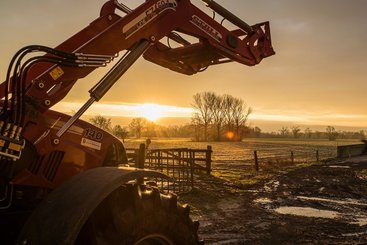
{"points": [[181, 164]]}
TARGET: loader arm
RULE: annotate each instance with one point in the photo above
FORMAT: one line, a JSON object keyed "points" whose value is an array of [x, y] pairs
{"points": [[59, 162], [36, 84], [110, 34]]}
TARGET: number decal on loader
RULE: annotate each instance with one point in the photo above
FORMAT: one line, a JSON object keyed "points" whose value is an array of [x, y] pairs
{"points": [[93, 134]]}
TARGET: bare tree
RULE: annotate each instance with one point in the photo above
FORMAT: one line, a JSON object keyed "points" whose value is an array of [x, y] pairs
{"points": [[150, 129], [228, 101], [362, 134], [308, 133], [203, 105], [257, 132], [120, 132], [101, 122], [196, 123], [240, 113], [219, 112], [331, 133], [137, 125], [284, 132], [218, 115], [295, 131]]}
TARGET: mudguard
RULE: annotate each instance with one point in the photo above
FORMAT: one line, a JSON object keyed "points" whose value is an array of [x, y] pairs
{"points": [[60, 217]]}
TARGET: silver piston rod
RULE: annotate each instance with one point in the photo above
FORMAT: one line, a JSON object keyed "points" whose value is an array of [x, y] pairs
{"points": [[228, 15], [101, 88]]}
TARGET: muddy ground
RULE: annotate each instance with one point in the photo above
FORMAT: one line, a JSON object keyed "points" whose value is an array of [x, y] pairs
{"points": [[324, 203]]}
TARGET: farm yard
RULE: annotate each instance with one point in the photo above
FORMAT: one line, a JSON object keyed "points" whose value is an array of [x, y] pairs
{"points": [[285, 202], [183, 122]]}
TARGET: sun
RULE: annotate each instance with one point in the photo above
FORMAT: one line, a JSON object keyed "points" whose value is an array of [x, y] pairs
{"points": [[152, 112]]}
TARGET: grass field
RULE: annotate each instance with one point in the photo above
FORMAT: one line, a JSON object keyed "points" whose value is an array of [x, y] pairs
{"points": [[242, 152], [234, 161]]}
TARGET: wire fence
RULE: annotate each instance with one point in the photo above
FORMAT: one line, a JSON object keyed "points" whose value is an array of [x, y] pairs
{"points": [[184, 164]]}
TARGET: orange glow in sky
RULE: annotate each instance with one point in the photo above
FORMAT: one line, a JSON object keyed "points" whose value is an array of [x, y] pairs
{"points": [[267, 120], [317, 77], [151, 112]]}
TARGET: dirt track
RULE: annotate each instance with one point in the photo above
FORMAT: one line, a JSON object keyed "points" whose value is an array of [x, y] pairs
{"points": [[318, 204]]}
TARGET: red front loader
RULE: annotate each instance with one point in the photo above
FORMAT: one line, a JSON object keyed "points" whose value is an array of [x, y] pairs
{"points": [[60, 180]]}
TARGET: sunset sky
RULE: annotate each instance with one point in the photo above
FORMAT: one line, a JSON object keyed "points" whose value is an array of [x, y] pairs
{"points": [[317, 78]]}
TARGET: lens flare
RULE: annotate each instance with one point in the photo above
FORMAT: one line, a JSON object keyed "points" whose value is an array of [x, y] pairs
{"points": [[230, 135]]}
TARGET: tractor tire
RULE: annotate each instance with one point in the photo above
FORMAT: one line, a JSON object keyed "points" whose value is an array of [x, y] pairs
{"points": [[139, 215]]}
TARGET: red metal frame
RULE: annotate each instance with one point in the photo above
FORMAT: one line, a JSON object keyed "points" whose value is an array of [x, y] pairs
{"points": [[108, 35]]}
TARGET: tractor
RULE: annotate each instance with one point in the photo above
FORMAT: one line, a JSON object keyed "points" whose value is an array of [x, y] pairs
{"points": [[65, 181]]}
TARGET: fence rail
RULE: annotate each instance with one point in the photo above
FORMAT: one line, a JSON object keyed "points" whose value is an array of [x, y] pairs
{"points": [[292, 157]]}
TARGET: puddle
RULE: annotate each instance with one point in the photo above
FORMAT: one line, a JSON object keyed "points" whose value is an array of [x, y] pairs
{"points": [[205, 221], [357, 234], [230, 241], [307, 212], [361, 221], [229, 204], [252, 191], [344, 202], [337, 166], [271, 186], [359, 159], [263, 200]]}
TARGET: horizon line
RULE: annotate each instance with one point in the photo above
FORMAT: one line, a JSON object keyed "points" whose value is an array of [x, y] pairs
{"points": [[261, 117]]}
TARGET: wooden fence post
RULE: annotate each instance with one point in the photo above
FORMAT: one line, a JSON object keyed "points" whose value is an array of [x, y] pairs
{"points": [[160, 160], [192, 169], [140, 159], [208, 161], [317, 156], [256, 161], [292, 157], [141, 156]]}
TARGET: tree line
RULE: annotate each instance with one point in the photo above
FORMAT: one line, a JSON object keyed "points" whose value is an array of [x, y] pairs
{"points": [[296, 132], [140, 127], [216, 118]]}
